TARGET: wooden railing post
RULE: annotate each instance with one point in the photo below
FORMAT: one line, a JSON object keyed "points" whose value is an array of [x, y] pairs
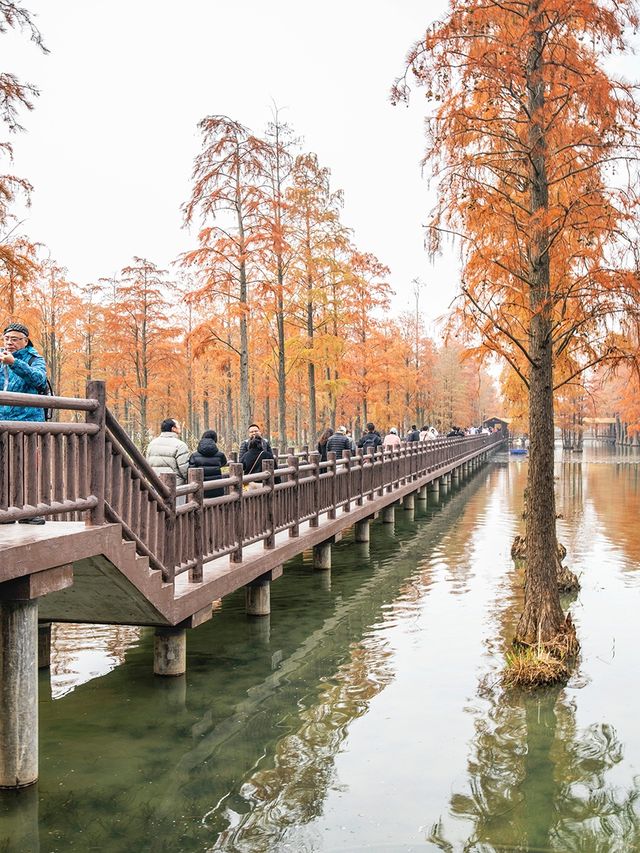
{"points": [[360, 458], [371, 459], [346, 454], [294, 462], [235, 470], [169, 551], [333, 467], [315, 458], [196, 476], [270, 539], [96, 391]]}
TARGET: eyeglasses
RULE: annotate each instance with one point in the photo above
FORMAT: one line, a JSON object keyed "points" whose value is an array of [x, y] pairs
{"points": [[10, 339]]}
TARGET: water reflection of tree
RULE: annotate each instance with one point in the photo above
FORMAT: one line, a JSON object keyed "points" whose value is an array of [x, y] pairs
{"points": [[615, 494], [536, 784], [289, 794]]}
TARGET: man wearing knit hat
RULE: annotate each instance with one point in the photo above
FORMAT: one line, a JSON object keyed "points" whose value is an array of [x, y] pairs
{"points": [[22, 369]]}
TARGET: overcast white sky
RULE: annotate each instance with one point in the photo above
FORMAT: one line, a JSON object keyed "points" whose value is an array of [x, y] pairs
{"points": [[110, 144]]}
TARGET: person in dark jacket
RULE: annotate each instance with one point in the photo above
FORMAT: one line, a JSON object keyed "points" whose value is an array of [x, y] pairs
{"points": [[253, 432], [322, 443], [211, 459], [338, 442], [413, 434], [371, 437], [255, 455]]}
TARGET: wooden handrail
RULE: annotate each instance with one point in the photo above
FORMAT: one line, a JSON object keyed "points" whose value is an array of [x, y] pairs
{"points": [[125, 442], [47, 428], [43, 401]]}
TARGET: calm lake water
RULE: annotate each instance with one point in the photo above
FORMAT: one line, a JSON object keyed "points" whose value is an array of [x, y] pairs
{"points": [[366, 713]]}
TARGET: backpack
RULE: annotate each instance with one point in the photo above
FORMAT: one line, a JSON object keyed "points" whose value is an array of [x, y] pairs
{"points": [[369, 439], [47, 391]]}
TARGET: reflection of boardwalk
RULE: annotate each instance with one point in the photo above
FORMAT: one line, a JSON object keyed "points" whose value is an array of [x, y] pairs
{"points": [[80, 653]]}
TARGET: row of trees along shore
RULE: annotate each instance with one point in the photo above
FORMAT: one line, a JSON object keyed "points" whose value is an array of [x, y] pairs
{"points": [[274, 316]]}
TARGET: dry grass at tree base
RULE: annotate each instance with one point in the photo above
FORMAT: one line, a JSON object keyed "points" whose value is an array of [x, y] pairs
{"points": [[543, 664]]}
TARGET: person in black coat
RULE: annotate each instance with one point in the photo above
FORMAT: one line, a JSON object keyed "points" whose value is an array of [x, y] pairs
{"points": [[322, 443], [255, 455], [211, 459]]}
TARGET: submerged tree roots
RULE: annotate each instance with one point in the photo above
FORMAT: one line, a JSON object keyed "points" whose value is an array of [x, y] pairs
{"points": [[567, 580], [543, 664]]}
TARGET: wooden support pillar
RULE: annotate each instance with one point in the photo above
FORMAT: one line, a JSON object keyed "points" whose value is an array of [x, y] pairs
{"points": [[257, 596], [322, 555], [170, 651], [44, 645], [409, 501], [362, 530], [18, 693], [389, 514]]}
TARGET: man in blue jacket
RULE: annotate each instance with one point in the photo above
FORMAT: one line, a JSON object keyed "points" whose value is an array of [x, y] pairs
{"points": [[22, 369]]}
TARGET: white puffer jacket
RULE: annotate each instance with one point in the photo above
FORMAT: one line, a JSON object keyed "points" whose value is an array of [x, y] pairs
{"points": [[167, 454]]}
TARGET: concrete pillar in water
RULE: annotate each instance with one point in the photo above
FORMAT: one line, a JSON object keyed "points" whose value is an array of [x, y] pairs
{"points": [[434, 487], [422, 493], [362, 530], [257, 596], [44, 645], [18, 693], [170, 651], [455, 475], [322, 555], [389, 514], [409, 501]]}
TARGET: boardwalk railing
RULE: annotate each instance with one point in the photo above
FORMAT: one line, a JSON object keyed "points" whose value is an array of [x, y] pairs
{"points": [[91, 470]]}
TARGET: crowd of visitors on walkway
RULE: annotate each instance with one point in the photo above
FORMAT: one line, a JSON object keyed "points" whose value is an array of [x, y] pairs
{"points": [[168, 454]]}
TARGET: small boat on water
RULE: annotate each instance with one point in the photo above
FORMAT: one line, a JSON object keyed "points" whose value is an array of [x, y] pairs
{"points": [[519, 451]]}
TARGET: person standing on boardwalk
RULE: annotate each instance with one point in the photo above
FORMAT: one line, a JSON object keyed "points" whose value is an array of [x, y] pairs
{"points": [[322, 443], [168, 454], [24, 371], [391, 439], [371, 438], [211, 459], [257, 451], [413, 434], [338, 442], [254, 432]]}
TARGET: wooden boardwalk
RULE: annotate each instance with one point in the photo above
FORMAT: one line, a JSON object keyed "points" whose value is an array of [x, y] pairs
{"points": [[118, 549]]}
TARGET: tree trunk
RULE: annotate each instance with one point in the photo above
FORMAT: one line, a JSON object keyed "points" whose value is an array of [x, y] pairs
{"points": [[542, 616], [282, 373]]}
